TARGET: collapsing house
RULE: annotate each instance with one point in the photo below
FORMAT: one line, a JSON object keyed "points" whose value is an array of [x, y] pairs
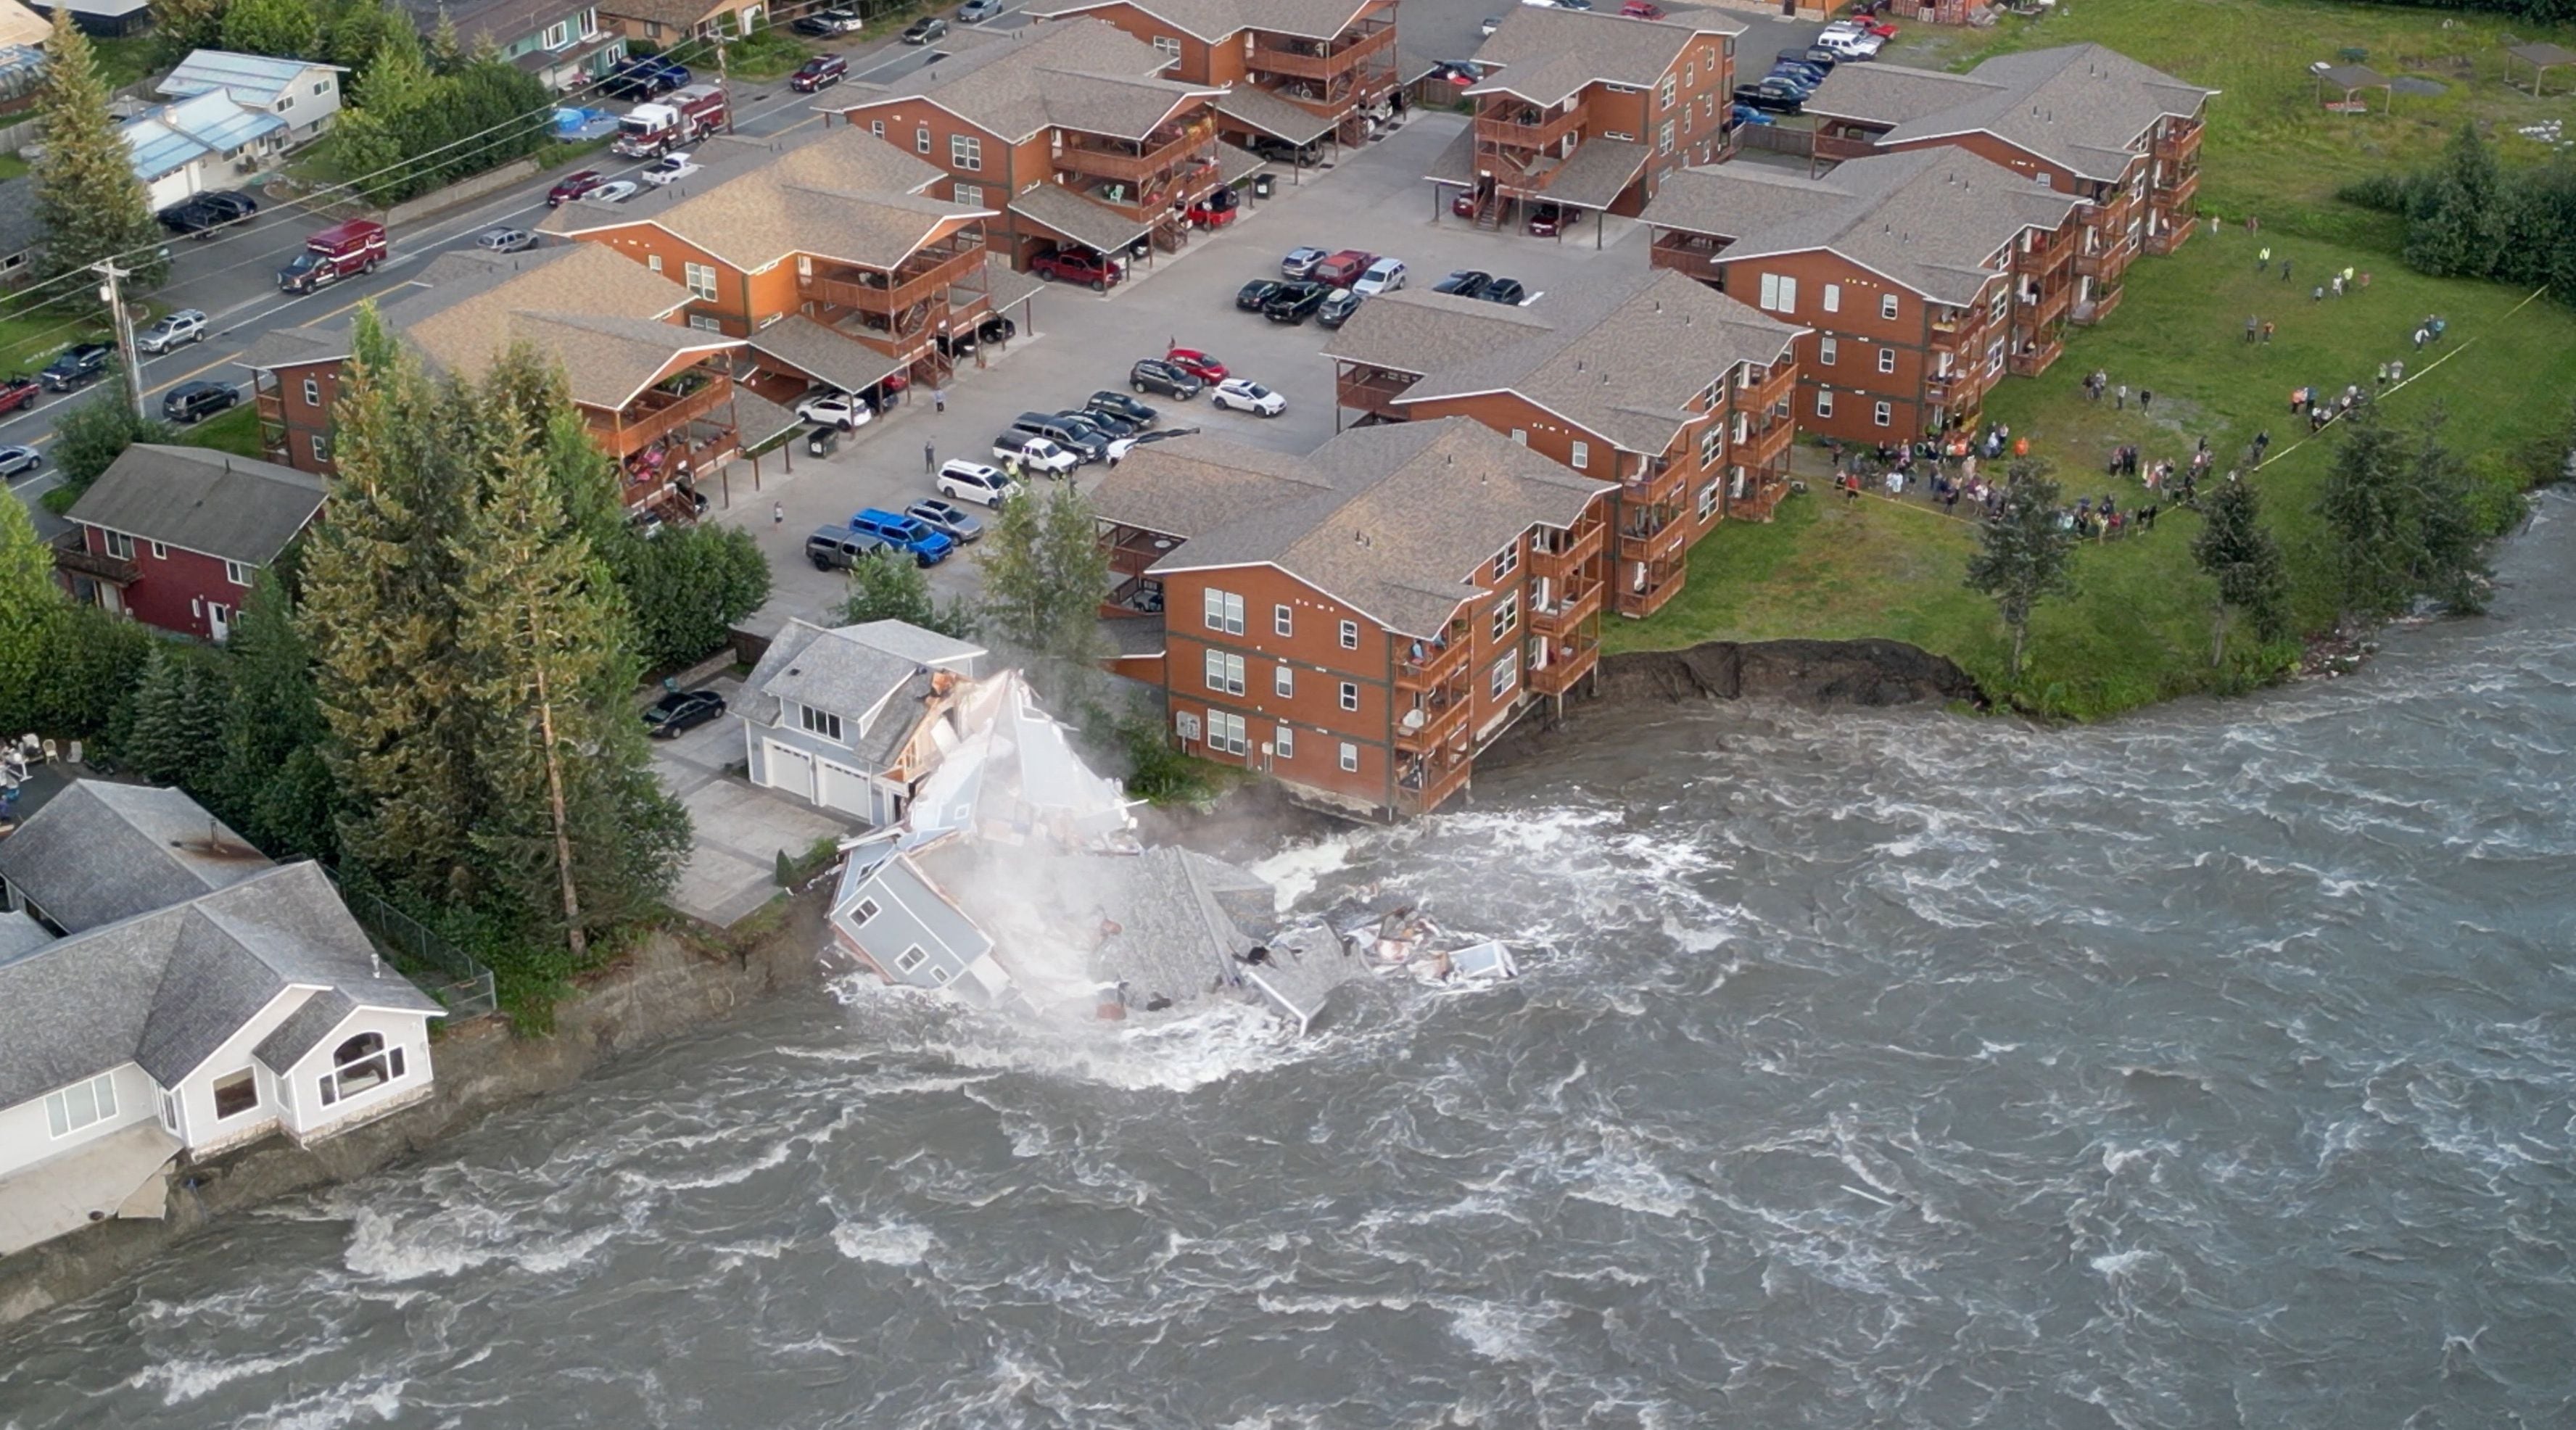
{"points": [[1016, 878]]}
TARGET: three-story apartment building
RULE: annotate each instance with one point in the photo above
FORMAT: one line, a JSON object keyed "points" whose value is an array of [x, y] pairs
{"points": [[2082, 120], [1922, 278], [1359, 622], [1589, 110], [1675, 397], [1068, 129], [1293, 70]]}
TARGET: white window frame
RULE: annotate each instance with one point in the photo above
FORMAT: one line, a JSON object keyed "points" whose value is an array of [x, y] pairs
{"points": [[1887, 306], [1580, 455], [1507, 615], [877, 128], [821, 724], [1779, 293], [911, 958], [1507, 560], [1672, 86], [1712, 443], [921, 139], [321, 447], [162, 553], [966, 151], [1350, 635], [867, 909], [1169, 45], [1824, 402], [216, 1092], [1833, 298], [1882, 414], [1708, 500], [1224, 672], [312, 392], [1284, 745], [98, 1092], [701, 280], [1664, 138], [1887, 359], [119, 545], [1226, 733], [1283, 620], [1283, 681], [1350, 758], [967, 195], [234, 571], [1223, 611], [1828, 348], [390, 1054], [1350, 695], [1505, 676]]}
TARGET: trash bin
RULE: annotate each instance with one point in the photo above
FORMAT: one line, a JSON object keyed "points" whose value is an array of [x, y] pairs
{"points": [[822, 442], [1261, 186]]}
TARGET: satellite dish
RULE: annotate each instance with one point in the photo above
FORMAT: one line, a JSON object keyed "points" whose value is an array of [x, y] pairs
{"points": [[1412, 720]]}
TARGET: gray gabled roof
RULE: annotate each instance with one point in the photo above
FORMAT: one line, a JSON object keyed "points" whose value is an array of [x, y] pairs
{"points": [[98, 853], [2084, 108], [1085, 75], [1215, 20], [292, 1039], [851, 671], [238, 508], [1095, 226], [1548, 55]]}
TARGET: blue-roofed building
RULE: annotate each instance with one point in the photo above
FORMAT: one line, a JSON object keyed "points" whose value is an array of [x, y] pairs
{"points": [[207, 141], [304, 94]]}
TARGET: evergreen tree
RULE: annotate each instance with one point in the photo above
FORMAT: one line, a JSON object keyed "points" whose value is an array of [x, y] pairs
{"points": [[179, 26], [2449, 557], [2027, 553], [2237, 553], [288, 29], [272, 784], [91, 205], [446, 52], [2369, 507], [90, 437], [85, 684], [2460, 226], [179, 708], [891, 586], [1045, 576], [31, 605], [355, 32], [686, 588]]}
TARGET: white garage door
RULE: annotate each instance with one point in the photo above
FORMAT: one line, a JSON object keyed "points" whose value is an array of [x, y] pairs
{"points": [[846, 790], [791, 770]]}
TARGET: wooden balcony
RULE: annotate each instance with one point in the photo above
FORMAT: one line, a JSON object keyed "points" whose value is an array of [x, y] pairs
{"points": [[1662, 581], [1687, 253], [70, 555], [2098, 307], [1421, 668], [659, 412], [1515, 124], [2033, 359], [1444, 718], [1323, 61], [1578, 551], [2048, 306], [1131, 549], [924, 277], [1423, 783], [1571, 659], [2049, 257], [2179, 189], [1369, 389], [1138, 164], [2178, 141]]}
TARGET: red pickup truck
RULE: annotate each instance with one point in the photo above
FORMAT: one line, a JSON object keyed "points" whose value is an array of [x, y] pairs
{"points": [[1070, 265], [19, 391]]}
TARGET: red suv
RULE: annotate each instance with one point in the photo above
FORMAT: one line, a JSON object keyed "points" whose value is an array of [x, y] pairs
{"points": [[573, 186], [818, 72], [1344, 268], [1074, 266]]}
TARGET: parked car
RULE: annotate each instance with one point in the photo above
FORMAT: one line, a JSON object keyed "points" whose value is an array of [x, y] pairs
{"points": [[1549, 220], [824, 23], [669, 169], [949, 521], [1461, 73], [1108, 424], [1036, 453], [1244, 395], [1641, 10], [837, 548], [1504, 290], [1806, 55], [1296, 302], [184, 326], [1300, 262], [681, 711], [1797, 77], [1073, 265], [1848, 45], [194, 402], [199, 215], [19, 391], [1772, 96], [844, 410], [14, 460], [1084, 443], [1282, 151], [1747, 114], [76, 366], [976, 12], [1344, 268], [573, 186], [1196, 363], [615, 191], [1252, 295], [996, 330], [232, 205], [974, 482], [1124, 408], [1870, 25], [505, 240], [1464, 283], [929, 547], [925, 30], [818, 72], [643, 77], [1338, 307], [1215, 209], [1384, 276], [1487, 26], [1169, 379]]}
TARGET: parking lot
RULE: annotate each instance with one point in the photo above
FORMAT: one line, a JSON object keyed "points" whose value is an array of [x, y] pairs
{"points": [[1375, 199]]}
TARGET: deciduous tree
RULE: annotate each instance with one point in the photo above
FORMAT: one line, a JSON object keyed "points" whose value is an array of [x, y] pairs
{"points": [[89, 438], [288, 29], [891, 586], [2027, 553], [2237, 553], [87, 197], [1045, 576]]}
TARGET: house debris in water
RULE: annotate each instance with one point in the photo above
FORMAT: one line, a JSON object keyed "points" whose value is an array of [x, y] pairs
{"points": [[1016, 877]]}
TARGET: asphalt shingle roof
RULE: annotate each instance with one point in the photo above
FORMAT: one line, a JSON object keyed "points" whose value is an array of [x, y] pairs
{"points": [[822, 354], [1095, 226], [1221, 19], [2083, 108], [1267, 112], [1548, 55], [99, 852], [1071, 74], [583, 305], [851, 671], [238, 508]]}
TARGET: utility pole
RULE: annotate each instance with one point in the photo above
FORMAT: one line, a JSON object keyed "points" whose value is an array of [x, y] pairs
{"points": [[114, 296], [724, 82]]}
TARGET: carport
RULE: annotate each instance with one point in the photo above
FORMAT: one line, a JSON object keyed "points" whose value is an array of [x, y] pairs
{"points": [[2353, 80], [1066, 217], [798, 352], [1257, 112], [1593, 179]]}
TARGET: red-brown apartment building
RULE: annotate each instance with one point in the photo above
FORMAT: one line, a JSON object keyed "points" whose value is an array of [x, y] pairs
{"points": [[1067, 129], [1921, 276], [174, 536], [1674, 397], [1357, 623], [1294, 70], [1589, 110], [825, 250], [2080, 119]]}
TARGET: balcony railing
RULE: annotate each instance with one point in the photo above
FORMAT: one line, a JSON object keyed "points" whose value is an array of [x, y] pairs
{"points": [[1421, 785], [2097, 307], [1515, 124], [1569, 661], [1371, 389], [70, 554], [658, 414], [2034, 358], [1580, 548], [1444, 719], [1689, 253], [1663, 581], [1425, 665], [2046, 258], [2175, 140], [922, 277], [1307, 59], [1136, 164]]}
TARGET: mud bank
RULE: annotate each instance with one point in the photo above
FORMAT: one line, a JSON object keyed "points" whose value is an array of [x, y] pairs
{"points": [[666, 990]]}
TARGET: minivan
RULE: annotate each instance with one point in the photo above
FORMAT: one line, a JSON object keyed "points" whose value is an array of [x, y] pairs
{"points": [[1087, 442], [838, 548], [904, 533]]}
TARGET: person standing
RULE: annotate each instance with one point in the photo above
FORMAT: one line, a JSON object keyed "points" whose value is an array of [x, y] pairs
{"points": [[939, 400], [2120, 399], [929, 460], [778, 516], [2267, 332], [2285, 270], [2253, 324], [2146, 398], [2263, 260]]}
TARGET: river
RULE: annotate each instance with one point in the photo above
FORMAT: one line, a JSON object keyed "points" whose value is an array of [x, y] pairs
{"points": [[2211, 1068]]}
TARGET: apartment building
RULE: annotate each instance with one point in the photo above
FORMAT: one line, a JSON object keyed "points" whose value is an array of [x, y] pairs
{"points": [[1922, 278], [2081, 120], [1674, 397], [824, 249], [1357, 623], [657, 396], [1068, 129], [1589, 110], [1292, 70]]}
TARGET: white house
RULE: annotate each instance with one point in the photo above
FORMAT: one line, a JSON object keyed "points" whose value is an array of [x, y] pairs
{"points": [[204, 142], [304, 94], [165, 990], [852, 718]]}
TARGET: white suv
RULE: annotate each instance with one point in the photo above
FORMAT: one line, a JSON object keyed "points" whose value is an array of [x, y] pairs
{"points": [[1851, 44], [974, 482], [185, 326], [836, 409]]}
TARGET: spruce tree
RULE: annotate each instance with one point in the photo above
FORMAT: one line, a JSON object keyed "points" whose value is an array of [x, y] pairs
{"points": [[30, 606], [2449, 556], [272, 784], [2369, 507], [179, 26], [2238, 554], [2027, 554], [1045, 576], [87, 197], [178, 718]]}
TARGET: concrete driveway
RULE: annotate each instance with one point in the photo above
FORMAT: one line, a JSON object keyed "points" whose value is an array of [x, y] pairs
{"points": [[739, 828]]}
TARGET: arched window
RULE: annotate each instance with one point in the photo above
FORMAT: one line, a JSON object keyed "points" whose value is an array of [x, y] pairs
{"points": [[361, 1063]]}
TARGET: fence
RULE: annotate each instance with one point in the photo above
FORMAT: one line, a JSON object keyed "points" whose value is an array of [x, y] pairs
{"points": [[1778, 138], [466, 989]]}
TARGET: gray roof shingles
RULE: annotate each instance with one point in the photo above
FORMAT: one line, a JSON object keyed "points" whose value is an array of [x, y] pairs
{"points": [[238, 508], [2084, 108], [98, 853]]}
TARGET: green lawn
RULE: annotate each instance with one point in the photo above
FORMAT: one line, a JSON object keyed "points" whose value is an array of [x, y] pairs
{"points": [[28, 343], [236, 431], [13, 166]]}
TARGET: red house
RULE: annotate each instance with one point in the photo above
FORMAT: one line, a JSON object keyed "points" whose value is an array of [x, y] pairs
{"points": [[174, 536]]}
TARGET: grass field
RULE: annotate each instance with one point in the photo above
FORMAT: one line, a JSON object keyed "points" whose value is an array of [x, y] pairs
{"points": [[235, 431]]}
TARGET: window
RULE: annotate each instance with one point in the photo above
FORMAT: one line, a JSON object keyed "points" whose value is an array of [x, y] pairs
{"points": [[312, 392], [965, 151], [558, 34], [1350, 635], [1887, 359], [286, 104], [2042, 176], [1350, 757], [1824, 402], [80, 1104], [1286, 746], [321, 86], [819, 722], [1521, 435], [170, 1113], [1887, 306], [236, 1094], [1827, 349], [940, 973], [1507, 674], [1672, 83], [921, 140], [1226, 732], [1283, 621], [910, 959], [1283, 682], [866, 910], [1880, 414], [1224, 612], [119, 545], [1581, 456], [1350, 696], [1833, 297], [702, 281], [1507, 614], [1224, 672], [1169, 45], [1712, 443], [321, 447], [1507, 560], [162, 553], [1708, 501], [1779, 293], [362, 1063], [1664, 138], [877, 127], [234, 571]]}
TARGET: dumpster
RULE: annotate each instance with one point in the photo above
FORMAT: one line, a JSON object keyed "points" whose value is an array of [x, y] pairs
{"points": [[822, 442], [1261, 186]]}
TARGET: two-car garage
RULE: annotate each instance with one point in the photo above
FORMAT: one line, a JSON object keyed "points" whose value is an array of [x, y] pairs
{"points": [[822, 781]]}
